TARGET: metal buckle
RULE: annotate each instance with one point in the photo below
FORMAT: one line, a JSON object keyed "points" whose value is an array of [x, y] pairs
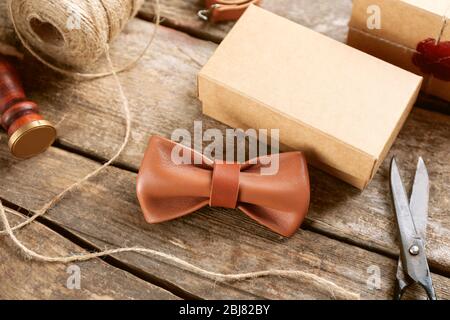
{"points": [[206, 13]]}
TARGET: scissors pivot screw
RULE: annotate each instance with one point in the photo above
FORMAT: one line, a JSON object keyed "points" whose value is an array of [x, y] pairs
{"points": [[414, 250]]}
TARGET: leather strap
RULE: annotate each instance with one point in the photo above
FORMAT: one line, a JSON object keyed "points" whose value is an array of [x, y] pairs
{"points": [[225, 10], [225, 185]]}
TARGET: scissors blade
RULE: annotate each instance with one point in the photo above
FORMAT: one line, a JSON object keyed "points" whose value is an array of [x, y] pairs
{"points": [[404, 217], [419, 199]]}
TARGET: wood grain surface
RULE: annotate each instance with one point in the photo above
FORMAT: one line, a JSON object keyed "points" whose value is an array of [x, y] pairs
{"points": [[325, 16], [162, 101], [105, 213], [347, 231], [26, 279]]}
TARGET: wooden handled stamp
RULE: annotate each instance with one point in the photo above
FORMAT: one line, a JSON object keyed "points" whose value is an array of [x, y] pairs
{"points": [[29, 134]]}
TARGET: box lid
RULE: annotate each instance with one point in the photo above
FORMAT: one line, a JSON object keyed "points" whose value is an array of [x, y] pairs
{"points": [[439, 7], [314, 80]]}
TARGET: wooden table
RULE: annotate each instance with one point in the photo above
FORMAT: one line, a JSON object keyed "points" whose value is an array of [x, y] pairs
{"points": [[348, 234]]}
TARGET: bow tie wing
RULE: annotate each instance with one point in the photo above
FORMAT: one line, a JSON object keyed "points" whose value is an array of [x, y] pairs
{"points": [[279, 201], [167, 190]]}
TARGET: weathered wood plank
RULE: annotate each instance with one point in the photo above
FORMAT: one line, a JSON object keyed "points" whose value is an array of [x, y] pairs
{"points": [[368, 217], [105, 212], [162, 93], [325, 16], [22, 278], [161, 90]]}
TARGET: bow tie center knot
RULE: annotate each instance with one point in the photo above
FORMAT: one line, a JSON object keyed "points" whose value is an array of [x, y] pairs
{"points": [[225, 185]]}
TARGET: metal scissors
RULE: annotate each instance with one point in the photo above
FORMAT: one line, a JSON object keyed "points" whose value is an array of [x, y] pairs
{"points": [[412, 219]]}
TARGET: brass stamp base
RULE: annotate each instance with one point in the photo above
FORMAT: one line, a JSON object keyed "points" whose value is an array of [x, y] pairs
{"points": [[32, 139]]}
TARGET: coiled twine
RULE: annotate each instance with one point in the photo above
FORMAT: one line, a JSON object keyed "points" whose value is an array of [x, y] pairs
{"points": [[75, 33]]}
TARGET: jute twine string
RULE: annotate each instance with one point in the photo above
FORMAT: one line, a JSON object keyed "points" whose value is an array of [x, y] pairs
{"points": [[19, 28], [333, 289], [438, 37], [73, 33]]}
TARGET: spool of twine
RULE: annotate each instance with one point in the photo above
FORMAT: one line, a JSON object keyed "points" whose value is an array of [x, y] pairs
{"points": [[71, 33]]}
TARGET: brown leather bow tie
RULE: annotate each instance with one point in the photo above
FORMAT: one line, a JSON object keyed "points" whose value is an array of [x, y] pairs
{"points": [[225, 10], [167, 190]]}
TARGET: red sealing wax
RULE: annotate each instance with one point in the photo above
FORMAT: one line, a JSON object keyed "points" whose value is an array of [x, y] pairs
{"points": [[29, 134], [433, 58]]}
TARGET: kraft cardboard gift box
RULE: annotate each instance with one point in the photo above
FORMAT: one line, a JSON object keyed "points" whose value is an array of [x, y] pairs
{"points": [[340, 106], [412, 34]]}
